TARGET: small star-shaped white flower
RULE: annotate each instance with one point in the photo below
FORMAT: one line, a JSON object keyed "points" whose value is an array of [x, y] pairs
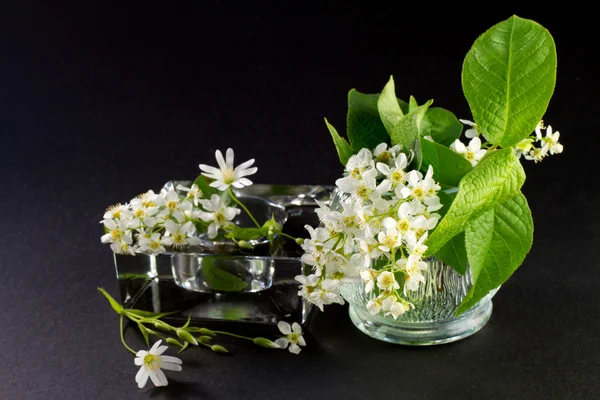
{"points": [[226, 176], [152, 363], [293, 337]]}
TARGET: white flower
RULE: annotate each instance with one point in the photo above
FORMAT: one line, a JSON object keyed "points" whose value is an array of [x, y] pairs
{"points": [[374, 306], [152, 363], [393, 307], [116, 231], [174, 207], [123, 245], [382, 154], [473, 152], [151, 244], [179, 234], [417, 246], [217, 214], [148, 200], [226, 175], [387, 282], [419, 187], [368, 275], [412, 268], [394, 176], [551, 141], [143, 216], [537, 154], [361, 187], [194, 193], [472, 132], [359, 163], [118, 211], [389, 240], [293, 337]]}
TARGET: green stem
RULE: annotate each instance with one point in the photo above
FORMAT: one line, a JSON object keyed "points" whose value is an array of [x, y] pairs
{"points": [[243, 207], [123, 338], [234, 335], [288, 236]]}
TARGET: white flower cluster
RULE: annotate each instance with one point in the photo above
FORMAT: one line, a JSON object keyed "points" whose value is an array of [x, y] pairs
{"points": [[473, 152], [548, 144], [152, 221], [378, 236]]}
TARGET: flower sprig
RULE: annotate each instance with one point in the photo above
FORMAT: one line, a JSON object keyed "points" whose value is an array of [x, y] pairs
{"points": [[476, 149], [151, 222], [182, 337], [377, 237]]}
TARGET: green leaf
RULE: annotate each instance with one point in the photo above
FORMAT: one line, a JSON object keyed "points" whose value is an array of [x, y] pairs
{"points": [[344, 149], [497, 243], [113, 303], [444, 127], [245, 233], [144, 333], [497, 177], [219, 279], [365, 129], [448, 167], [148, 314], [408, 130], [446, 199], [403, 106], [412, 104], [174, 342], [508, 79], [185, 346], [388, 106], [454, 254], [204, 184]]}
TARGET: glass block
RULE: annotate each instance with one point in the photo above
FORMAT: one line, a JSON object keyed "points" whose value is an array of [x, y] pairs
{"points": [[213, 284]]}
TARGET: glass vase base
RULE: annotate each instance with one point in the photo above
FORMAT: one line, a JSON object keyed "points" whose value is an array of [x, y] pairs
{"points": [[422, 333]]}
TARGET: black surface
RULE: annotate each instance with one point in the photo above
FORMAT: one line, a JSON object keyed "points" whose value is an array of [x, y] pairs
{"points": [[100, 102]]}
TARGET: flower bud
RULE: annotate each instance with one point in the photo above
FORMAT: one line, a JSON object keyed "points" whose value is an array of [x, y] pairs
{"points": [[300, 241], [245, 245], [174, 342], [206, 331], [204, 338], [264, 342], [185, 335], [219, 349], [161, 325]]}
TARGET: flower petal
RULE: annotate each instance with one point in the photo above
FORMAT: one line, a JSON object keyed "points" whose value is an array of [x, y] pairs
{"points": [[170, 367], [138, 361], [209, 169], [170, 359], [229, 158], [220, 160], [296, 327], [284, 327], [160, 350], [294, 348], [282, 342], [301, 341], [155, 347], [142, 377]]}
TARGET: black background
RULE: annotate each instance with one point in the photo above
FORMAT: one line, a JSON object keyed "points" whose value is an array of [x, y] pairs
{"points": [[102, 101]]}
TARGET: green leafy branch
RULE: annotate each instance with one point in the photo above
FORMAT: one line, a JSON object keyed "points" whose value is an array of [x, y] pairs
{"points": [[508, 79]]}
